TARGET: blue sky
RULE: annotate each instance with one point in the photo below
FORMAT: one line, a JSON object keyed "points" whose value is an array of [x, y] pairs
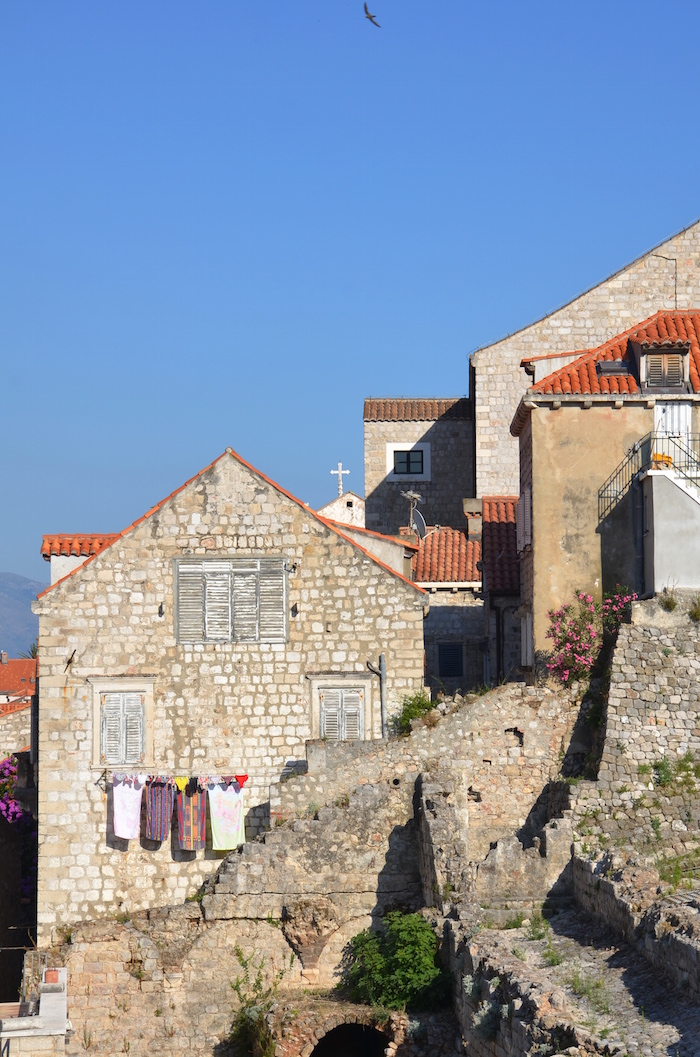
{"points": [[225, 223]]}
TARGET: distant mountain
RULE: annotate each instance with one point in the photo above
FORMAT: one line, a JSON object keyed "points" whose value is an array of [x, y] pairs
{"points": [[18, 625]]}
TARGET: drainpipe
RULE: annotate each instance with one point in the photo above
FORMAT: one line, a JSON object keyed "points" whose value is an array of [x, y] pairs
{"points": [[381, 672]]}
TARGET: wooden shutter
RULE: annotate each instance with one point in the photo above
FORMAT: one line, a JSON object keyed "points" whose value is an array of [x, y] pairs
{"points": [[655, 370], [330, 715], [352, 715], [674, 369], [123, 728], [112, 729], [133, 722], [217, 601], [190, 602], [272, 593], [527, 517], [245, 601]]}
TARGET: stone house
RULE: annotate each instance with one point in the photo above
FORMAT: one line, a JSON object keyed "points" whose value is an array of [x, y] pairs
{"points": [[446, 565], [218, 633], [609, 469], [500, 589], [424, 446], [666, 277], [348, 509], [18, 687]]}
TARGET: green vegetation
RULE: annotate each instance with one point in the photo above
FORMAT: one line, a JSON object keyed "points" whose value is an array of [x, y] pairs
{"points": [[668, 600], [694, 611], [250, 1032], [397, 968], [413, 707], [516, 922], [550, 955], [539, 928], [594, 990], [680, 870], [656, 826]]}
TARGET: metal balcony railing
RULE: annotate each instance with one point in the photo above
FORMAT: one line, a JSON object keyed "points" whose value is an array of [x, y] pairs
{"points": [[678, 452]]}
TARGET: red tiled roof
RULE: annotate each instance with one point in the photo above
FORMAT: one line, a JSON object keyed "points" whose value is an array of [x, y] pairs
{"points": [[500, 545], [346, 526], [75, 544], [234, 455], [661, 328], [447, 556], [409, 409], [16, 676]]}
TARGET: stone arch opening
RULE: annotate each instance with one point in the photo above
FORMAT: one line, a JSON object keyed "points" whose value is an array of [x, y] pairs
{"points": [[352, 1040]]}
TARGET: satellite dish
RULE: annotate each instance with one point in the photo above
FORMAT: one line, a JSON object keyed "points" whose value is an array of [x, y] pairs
{"points": [[419, 526]]}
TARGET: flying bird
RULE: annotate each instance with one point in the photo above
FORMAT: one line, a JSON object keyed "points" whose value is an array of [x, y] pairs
{"points": [[372, 18]]}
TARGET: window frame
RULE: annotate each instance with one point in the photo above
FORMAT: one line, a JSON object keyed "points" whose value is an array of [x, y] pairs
{"points": [[458, 650], [363, 681], [236, 569], [122, 685], [407, 446]]}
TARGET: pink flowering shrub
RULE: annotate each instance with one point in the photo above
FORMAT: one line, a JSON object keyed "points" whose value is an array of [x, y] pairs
{"points": [[10, 810], [579, 629], [16, 815]]}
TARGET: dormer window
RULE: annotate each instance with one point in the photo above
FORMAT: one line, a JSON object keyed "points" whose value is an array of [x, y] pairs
{"points": [[663, 365], [664, 369]]}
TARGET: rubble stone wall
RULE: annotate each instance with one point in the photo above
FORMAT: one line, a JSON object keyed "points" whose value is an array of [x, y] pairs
{"points": [[14, 729]]}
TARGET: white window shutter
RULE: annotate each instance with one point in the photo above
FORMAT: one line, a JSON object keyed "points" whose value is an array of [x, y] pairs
{"points": [[245, 603], [519, 521], [272, 600], [133, 728], [353, 715], [330, 715], [111, 739], [217, 601], [527, 517], [190, 602]]}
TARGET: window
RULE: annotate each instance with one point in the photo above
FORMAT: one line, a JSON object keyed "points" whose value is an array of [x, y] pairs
{"points": [[523, 520], [234, 600], [342, 714], [450, 660], [664, 369], [122, 728], [408, 462]]}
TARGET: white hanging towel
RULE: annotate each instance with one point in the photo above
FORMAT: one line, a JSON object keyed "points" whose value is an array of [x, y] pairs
{"points": [[127, 809], [226, 817]]}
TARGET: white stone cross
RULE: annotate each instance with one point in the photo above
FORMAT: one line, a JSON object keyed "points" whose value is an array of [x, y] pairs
{"points": [[340, 471]]}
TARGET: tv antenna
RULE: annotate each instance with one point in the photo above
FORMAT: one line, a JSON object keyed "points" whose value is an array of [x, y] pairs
{"points": [[416, 520]]}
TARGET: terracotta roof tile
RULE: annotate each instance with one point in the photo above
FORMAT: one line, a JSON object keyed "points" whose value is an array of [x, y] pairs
{"points": [[581, 376], [408, 409], [447, 556], [18, 676], [75, 544], [499, 543]]}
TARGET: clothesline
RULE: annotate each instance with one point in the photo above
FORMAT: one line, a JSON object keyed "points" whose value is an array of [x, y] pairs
{"points": [[188, 795]]}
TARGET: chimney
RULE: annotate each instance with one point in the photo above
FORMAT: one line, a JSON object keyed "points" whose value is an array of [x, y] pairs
{"points": [[472, 512], [3, 657]]}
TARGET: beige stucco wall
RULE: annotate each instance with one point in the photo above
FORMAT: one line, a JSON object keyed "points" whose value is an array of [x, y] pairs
{"points": [[630, 296], [574, 451], [216, 708]]}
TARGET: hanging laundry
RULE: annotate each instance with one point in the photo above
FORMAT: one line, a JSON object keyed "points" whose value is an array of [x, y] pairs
{"points": [[191, 817], [181, 781], [160, 797], [226, 816], [126, 799]]}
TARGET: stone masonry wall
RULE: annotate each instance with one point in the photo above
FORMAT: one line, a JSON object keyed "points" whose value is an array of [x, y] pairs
{"points": [[451, 473], [218, 708], [653, 714], [455, 616], [498, 778], [631, 295], [14, 729]]}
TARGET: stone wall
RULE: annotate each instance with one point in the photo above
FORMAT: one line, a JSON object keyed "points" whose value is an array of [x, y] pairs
{"points": [[455, 617], [15, 728], [451, 472], [631, 295], [498, 777], [215, 708]]}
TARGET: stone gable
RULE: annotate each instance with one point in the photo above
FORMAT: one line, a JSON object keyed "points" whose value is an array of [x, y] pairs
{"points": [[212, 708]]}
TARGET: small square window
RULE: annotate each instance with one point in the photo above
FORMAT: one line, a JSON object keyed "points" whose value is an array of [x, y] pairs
{"points": [[450, 662], [408, 462]]}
